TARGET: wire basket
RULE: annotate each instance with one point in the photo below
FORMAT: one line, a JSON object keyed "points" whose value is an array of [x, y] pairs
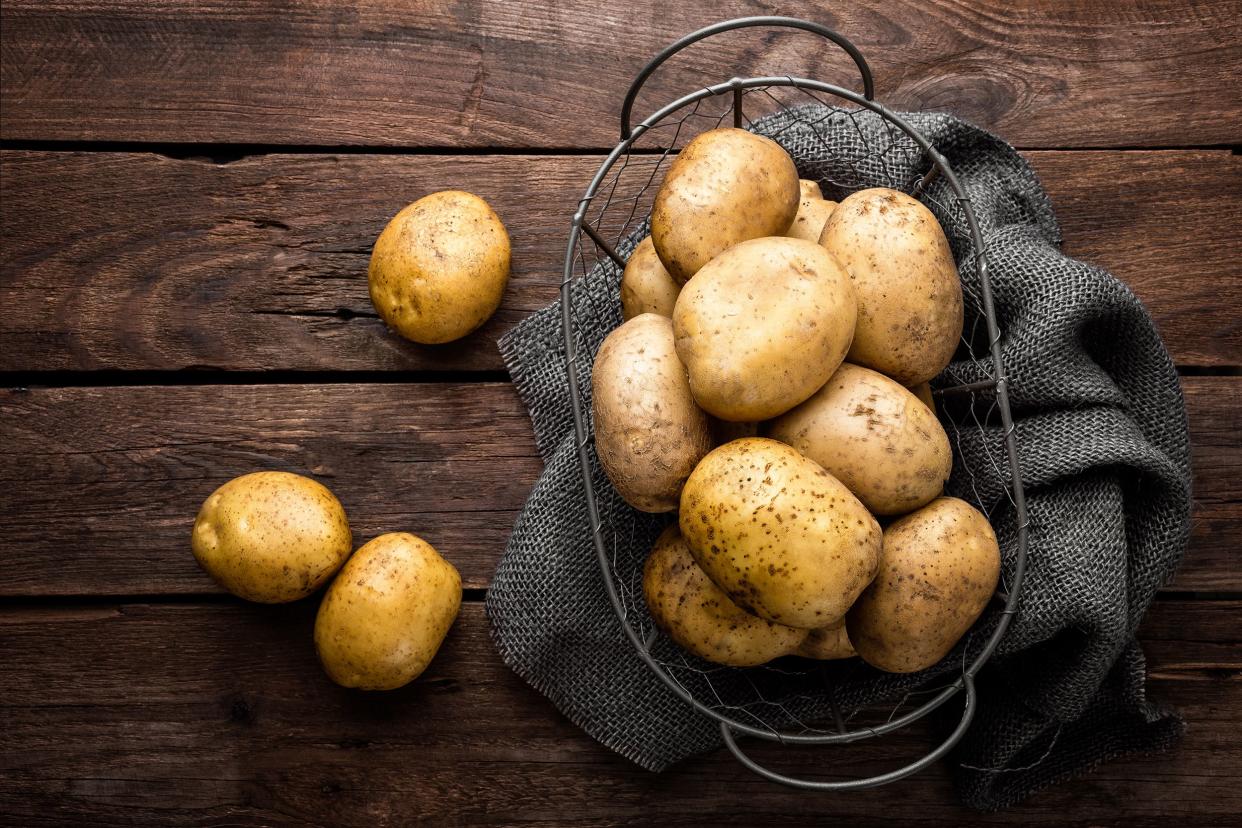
{"points": [[846, 141]]}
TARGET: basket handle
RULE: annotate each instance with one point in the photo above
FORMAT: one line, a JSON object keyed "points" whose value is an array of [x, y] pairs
{"points": [[968, 713], [742, 23]]}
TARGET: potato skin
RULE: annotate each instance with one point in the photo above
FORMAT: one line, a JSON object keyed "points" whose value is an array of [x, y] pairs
{"points": [[649, 434], [809, 189], [874, 436], [782, 537], [827, 643], [699, 616], [938, 570], [763, 326], [924, 393], [439, 269], [385, 616], [909, 295], [271, 536], [646, 286], [812, 215], [726, 186]]}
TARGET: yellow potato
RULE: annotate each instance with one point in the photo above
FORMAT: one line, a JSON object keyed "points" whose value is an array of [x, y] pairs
{"points": [[938, 570], [385, 616], [909, 295], [646, 286], [812, 215], [875, 436], [924, 393], [700, 617], [271, 536], [726, 186], [724, 431], [763, 326], [649, 434], [439, 269], [809, 189], [781, 536], [827, 643]]}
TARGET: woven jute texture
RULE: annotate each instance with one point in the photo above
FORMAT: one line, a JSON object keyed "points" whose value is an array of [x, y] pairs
{"points": [[1104, 454]]}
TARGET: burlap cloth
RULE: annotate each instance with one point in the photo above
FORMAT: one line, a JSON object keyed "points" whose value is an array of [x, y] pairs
{"points": [[1104, 453]]}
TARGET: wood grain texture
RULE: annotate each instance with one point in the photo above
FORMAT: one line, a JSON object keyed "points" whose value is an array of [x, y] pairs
{"points": [[207, 715], [138, 261], [99, 487], [539, 74]]}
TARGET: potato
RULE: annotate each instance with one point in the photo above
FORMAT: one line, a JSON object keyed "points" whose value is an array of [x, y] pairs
{"points": [[924, 393], [649, 434], [781, 536], [439, 269], [726, 186], [827, 643], [271, 536], [909, 295], [874, 436], [812, 215], [646, 286], [724, 431], [763, 326], [385, 616], [700, 617], [809, 189], [938, 570]]}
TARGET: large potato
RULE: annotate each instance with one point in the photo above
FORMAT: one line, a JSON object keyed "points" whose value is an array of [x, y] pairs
{"points": [[649, 434], [646, 286], [875, 436], [700, 617], [439, 269], [763, 326], [271, 536], [726, 186], [782, 537], [938, 569], [909, 295], [385, 616], [812, 215]]}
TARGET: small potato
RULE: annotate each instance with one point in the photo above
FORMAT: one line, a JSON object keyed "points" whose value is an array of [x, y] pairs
{"points": [[700, 617], [439, 269], [271, 536], [938, 570], [875, 436], [924, 393], [385, 616], [763, 326], [646, 286], [649, 434], [909, 295], [781, 536], [812, 215], [827, 643], [809, 189], [726, 186], [724, 431]]}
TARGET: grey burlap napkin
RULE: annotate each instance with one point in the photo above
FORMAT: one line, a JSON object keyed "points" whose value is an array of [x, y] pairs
{"points": [[1104, 453]]}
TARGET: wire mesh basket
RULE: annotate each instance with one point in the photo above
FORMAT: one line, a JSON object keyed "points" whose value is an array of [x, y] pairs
{"points": [[846, 141]]}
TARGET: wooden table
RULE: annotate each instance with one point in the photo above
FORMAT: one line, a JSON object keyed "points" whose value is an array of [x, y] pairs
{"points": [[190, 193]]}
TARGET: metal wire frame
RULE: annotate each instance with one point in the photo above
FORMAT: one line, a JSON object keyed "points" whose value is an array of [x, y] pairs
{"points": [[730, 728]]}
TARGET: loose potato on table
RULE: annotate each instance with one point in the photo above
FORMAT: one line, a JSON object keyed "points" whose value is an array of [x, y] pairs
{"points": [[385, 616], [439, 269], [649, 434], [700, 617], [875, 436], [909, 295], [782, 537], [938, 570], [646, 287], [763, 326], [726, 186], [271, 536]]}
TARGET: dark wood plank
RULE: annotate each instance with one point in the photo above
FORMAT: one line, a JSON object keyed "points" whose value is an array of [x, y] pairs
{"points": [[144, 262], [532, 73], [99, 486], [205, 715]]}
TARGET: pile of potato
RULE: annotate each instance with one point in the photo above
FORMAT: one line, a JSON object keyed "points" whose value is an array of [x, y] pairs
{"points": [[769, 384]]}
